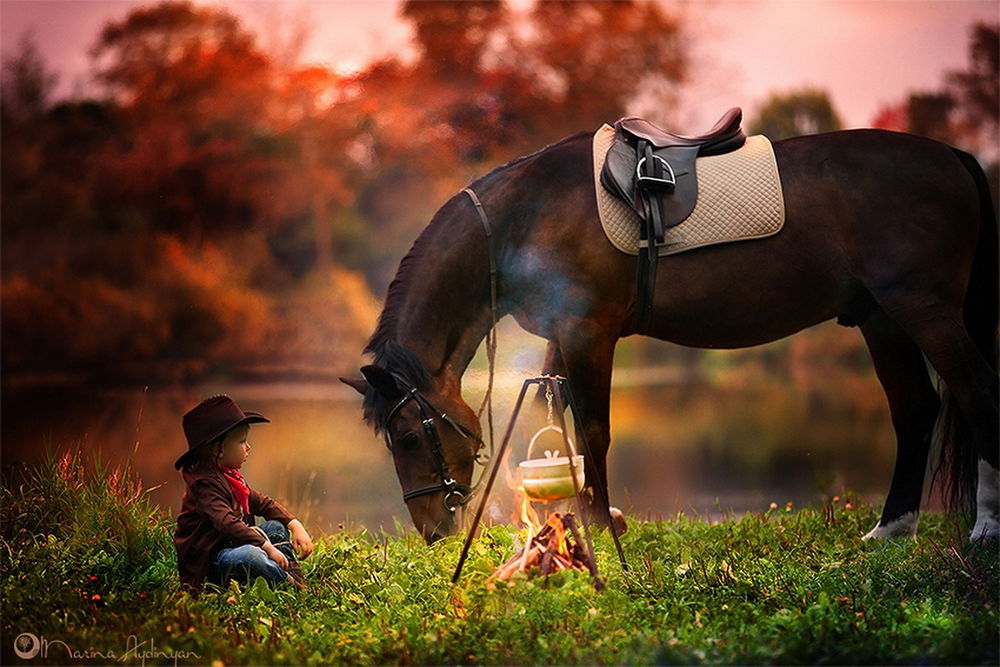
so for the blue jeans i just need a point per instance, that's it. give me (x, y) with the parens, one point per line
(247, 562)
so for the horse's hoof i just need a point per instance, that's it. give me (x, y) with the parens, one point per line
(618, 521)
(986, 531)
(904, 526)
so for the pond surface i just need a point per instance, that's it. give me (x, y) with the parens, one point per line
(687, 447)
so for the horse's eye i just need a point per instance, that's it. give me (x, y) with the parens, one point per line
(409, 441)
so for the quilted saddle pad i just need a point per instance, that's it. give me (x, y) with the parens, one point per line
(739, 198)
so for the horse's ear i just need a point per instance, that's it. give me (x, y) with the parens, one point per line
(382, 381)
(359, 385)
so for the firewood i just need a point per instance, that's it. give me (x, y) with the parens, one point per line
(557, 546)
(545, 567)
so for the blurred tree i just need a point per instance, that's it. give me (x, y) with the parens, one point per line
(594, 58)
(892, 117)
(976, 91)
(929, 115)
(489, 84)
(47, 173)
(26, 85)
(794, 114)
(193, 89)
(965, 112)
(221, 137)
(453, 37)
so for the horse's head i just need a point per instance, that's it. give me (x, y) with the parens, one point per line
(434, 438)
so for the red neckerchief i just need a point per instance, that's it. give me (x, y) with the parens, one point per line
(239, 487)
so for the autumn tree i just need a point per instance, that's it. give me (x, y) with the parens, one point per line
(796, 113)
(976, 90)
(26, 82)
(595, 58)
(490, 83)
(965, 111)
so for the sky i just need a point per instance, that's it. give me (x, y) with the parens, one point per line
(864, 53)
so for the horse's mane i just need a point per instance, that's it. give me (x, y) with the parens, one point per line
(385, 349)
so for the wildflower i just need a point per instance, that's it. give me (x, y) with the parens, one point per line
(836, 499)
(774, 506)
(843, 599)
(95, 598)
(788, 505)
(230, 600)
(93, 577)
(191, 629)
(142, 596)
(860, 614)
(848, 506)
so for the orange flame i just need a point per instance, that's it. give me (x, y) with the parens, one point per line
(523, 512)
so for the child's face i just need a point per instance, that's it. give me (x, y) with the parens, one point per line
(236, 447)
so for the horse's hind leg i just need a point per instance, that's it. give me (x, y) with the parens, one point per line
(913, 404)
(959, 362)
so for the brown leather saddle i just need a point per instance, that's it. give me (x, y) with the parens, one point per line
(653, 171)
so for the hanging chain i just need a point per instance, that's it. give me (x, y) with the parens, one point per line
(548, 400)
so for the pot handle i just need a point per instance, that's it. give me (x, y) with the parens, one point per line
(550, 427)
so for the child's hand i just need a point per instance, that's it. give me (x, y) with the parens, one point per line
(301, 541)
(275, 555)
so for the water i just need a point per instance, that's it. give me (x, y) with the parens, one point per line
(677, 446)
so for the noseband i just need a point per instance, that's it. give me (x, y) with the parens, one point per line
(456, 494)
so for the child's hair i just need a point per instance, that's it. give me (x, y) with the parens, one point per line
(208, 452)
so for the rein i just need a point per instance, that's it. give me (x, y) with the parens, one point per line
(491, 337)
(456, 494)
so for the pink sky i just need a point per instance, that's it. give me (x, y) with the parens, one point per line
(865, 53)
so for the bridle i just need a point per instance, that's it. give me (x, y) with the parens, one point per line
(456, 494)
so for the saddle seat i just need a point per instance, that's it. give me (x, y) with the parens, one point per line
(725, 136)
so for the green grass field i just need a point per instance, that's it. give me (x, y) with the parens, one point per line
(88, 578)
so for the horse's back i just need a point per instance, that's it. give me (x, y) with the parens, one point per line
(895, 204)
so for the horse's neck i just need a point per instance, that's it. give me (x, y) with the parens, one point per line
(446, 312)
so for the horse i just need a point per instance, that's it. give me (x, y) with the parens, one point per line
(890, 232)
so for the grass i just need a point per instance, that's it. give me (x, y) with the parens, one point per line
(88, 568)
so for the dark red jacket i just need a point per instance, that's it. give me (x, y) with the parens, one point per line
(211, 519)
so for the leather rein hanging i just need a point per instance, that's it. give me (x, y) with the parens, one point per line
(456, 494)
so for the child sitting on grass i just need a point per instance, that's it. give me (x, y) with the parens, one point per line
(216, 539)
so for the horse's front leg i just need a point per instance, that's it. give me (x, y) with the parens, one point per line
(585, 355)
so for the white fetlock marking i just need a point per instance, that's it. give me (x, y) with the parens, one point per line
(904, 526)
(987, 504)
(618, 521)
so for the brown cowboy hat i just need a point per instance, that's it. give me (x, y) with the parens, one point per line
(210, 420)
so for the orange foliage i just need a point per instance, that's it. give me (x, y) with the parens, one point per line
(218, 211)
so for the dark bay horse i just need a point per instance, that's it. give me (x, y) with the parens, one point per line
(891, 232)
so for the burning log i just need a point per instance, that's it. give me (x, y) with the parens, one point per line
(556, 547)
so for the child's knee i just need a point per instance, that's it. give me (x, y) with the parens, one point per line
(248, 555)
(249, 561)
(275, 531)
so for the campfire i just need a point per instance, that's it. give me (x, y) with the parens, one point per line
(556, 547)
(556, 544)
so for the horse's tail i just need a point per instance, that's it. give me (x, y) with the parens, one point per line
(959, 458)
